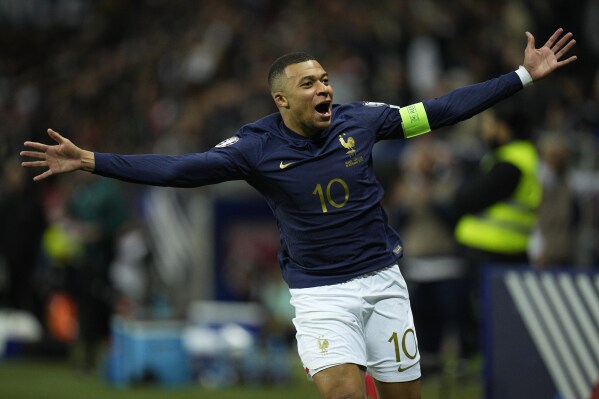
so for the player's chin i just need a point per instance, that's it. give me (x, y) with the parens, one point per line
(322, 124)
(323, 120)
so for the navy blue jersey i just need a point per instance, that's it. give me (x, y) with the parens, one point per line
(322, 190)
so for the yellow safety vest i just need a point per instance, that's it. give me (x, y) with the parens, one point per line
(505, 227)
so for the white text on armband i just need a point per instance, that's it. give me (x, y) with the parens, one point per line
(414, 120)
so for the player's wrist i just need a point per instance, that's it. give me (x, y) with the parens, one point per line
(88, 161)
(524, 76)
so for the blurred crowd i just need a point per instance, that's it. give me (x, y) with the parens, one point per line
(153, 75)
(138, 76)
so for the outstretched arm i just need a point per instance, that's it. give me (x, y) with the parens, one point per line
(63, 157)
(465, 102)
(189, 170)
(542, 61)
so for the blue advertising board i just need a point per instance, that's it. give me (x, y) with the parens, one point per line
(540, 333)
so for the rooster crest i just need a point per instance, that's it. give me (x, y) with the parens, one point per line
(323, 345)
(350, 144)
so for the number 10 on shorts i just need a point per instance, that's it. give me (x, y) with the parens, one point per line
(408, 336)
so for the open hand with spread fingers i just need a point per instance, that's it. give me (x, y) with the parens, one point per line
(540, 62)
(60, 158)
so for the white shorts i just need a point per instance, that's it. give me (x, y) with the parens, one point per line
(366, 321)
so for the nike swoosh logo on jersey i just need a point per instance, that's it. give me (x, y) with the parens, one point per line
(402, 369)
(284, 165)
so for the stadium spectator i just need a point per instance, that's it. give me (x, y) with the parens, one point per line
(97, 211)
(554, 240)
(497, 207)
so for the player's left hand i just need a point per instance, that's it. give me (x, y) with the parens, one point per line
(540, 62)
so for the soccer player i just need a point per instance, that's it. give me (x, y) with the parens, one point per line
(312, 161)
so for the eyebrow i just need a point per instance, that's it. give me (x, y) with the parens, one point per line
(313, 77)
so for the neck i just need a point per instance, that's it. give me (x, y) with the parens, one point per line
(299, 128)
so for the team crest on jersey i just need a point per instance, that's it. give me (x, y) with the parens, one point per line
(349, 143)
(227, 142)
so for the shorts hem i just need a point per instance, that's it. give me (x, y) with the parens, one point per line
(317, 370)
(396, 377)
(393, 380)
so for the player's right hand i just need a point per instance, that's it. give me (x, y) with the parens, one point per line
(60, 158)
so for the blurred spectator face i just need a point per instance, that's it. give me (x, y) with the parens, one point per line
(555, 152)
(306, 99)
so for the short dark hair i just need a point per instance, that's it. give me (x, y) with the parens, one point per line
(278, 67)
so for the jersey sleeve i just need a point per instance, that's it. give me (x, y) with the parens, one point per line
(221, 163)
(382, 118)
(465, 102)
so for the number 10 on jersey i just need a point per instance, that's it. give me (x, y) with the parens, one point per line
(325, 195)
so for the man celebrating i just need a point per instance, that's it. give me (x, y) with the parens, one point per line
(312, 161)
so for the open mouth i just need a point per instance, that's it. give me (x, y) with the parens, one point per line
(324, 108)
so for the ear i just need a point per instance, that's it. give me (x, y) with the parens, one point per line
(280, 100)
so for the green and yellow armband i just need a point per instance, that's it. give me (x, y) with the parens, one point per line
(414, 120)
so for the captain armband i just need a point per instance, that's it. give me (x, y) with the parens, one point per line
(414, 120)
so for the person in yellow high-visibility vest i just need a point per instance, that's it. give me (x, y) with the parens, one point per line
(497, 208)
